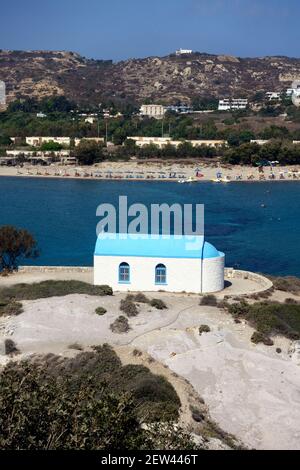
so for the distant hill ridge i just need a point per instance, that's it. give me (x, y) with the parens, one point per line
(166, 79)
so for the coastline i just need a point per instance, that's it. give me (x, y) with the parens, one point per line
(156, 171)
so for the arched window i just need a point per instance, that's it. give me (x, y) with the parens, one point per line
(124, 272)
(160, 274)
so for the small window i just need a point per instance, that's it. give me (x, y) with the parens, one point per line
(124, 272)
(160, 274)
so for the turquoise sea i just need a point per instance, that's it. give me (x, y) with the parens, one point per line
(257, 225)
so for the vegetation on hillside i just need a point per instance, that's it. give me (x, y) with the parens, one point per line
(89, 402)
(269, 318)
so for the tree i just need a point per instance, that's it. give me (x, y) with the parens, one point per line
(15, 244)
(88, 153)
(51, 146)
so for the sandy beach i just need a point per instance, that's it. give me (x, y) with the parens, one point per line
(158, 171)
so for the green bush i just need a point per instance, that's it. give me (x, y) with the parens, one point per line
(100, 310)
(158, 303)
(209, 300)
(204, 329)
(51, 289)
(258, 337)
(270, 317)
(55, 405)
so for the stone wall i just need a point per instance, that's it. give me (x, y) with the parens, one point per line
(265, 283)
(55, 269)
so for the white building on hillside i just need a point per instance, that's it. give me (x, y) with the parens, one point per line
(156, 111)
(273, 95)
(161, 142)
(98, 140)
(296, 93)
(228, 104)
(156, 262)
(38, 141)
(183, 51)
(2, 94)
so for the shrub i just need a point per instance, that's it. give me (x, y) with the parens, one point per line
(10, 308)
(204, 329)
(100, 310)
(128, 306)
(197, 415)
(137, 352)
(286, 284)
(141, 298)
(46, 289)
(10, 347)
(278, 350)
(62, 409)
(290, 301)
(120, 325)
(258, 337)
(75, 346)
(158, 303)
(209, 300)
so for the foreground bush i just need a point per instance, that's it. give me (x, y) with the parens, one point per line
(89, 402)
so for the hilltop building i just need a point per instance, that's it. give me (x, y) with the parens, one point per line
(230, 104)
(184, 51)
(156, 262)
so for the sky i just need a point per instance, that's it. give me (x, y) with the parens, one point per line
(122, 29)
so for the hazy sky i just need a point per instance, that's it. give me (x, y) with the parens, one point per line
(120, 29)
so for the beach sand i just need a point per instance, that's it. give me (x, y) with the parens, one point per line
(157, 171)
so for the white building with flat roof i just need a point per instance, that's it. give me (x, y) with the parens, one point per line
(2, 93)
(38, 141)
(98, 140)
(156, 111)
(161, 142)
(183, 51)
(230, 104)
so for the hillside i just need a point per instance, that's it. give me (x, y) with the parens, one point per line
(170, 78)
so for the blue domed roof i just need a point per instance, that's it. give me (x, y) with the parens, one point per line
(155, 246)
(209, 251)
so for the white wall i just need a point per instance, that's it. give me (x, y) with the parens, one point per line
(213, 274)
(182, 274)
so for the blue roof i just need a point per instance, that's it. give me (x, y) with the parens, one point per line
(155, 246)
